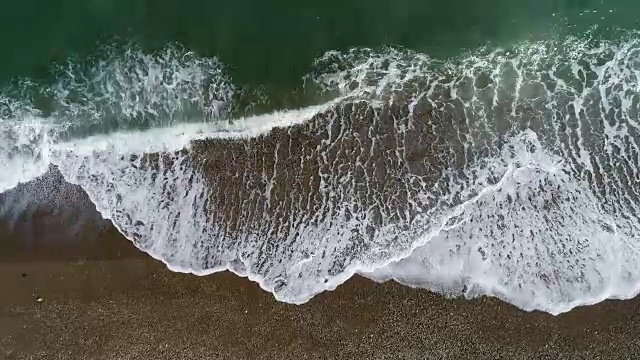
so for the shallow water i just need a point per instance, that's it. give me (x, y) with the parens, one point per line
(508, 169)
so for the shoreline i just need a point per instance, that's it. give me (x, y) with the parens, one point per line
(90, 294)
(136, 307)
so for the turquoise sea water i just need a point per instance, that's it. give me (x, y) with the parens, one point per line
(509, 131)
(274, 42)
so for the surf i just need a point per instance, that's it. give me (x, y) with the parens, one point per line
(503, 172)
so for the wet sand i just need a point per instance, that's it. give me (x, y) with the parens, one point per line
(89, 294)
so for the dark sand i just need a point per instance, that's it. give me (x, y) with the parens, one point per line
(103, 299)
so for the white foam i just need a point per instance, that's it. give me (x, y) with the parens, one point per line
(23, 151)
(582, 252)
(540, 213)
(539, 240)
(125, 89)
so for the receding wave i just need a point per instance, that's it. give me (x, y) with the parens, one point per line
(507, 172)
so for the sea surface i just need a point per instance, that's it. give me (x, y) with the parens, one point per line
(467, 147)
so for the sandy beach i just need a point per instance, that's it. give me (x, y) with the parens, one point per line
(89, 294)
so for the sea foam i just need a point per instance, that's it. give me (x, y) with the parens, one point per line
(511, 173)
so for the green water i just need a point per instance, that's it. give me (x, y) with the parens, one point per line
(273, 42)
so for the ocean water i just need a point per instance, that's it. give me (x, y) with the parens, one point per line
(470, 149)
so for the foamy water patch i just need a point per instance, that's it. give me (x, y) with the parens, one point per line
(538, 239)
(23, 150)
(147, 184)
(511, 173)
(580, 97)
(118, 90)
